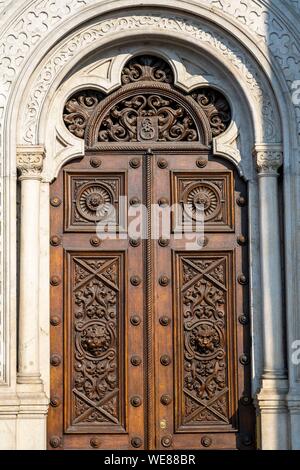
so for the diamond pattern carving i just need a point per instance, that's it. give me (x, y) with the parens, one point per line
(202, 318)
(95, 365)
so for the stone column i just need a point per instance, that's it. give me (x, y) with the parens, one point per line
(271, 398)
(30, 165)
(33, 402)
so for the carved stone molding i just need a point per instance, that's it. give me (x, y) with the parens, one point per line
(226, 48)
(228, 145)
(30, 161)
(269, 158)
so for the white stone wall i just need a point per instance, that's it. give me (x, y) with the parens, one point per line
(255, 41)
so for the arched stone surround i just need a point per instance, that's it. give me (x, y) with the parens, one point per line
(241, 68)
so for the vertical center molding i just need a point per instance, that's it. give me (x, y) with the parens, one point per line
(148, 276)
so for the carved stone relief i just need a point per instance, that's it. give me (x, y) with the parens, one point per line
(203, 317)
(92, 199)
(4, 4)
(222, 45)
(30, 161)
(269, 159)
(209, 194)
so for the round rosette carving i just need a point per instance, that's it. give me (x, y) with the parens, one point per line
(200, 197)
(204, 340)
(94, 201)
(95, 340)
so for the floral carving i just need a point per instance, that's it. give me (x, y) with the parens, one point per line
(147, 116)
(267, 21)
(94, 199)
(204, 327)
(243, 64)
(78, 109)
(216, 107)
(147, 68)
(269, 158)
(202, 197)
(96, 391)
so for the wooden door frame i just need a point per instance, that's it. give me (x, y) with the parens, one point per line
(185, 123)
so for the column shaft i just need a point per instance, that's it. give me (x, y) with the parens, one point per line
(29, 282)
(271, 277)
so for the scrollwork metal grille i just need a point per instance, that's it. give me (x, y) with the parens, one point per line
(147, 68)
(216, 108)
(148, 114)
(78, 109)
(147, 117)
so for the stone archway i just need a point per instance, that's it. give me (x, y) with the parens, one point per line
(44, 90)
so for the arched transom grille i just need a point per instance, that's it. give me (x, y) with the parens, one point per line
(147, 108)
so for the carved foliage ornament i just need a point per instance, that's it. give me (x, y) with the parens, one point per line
(147, 68)
(244, 66)
(147, 116)
(78, 109)
(206, 198)
(30, 161)
(268, 159)
(203, 304)
(92, 198)
(96, 397)
(215, 107)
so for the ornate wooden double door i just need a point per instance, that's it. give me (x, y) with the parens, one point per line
(150, 342)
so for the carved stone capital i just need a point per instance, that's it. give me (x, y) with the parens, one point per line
(269, 158)
(30, 161)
